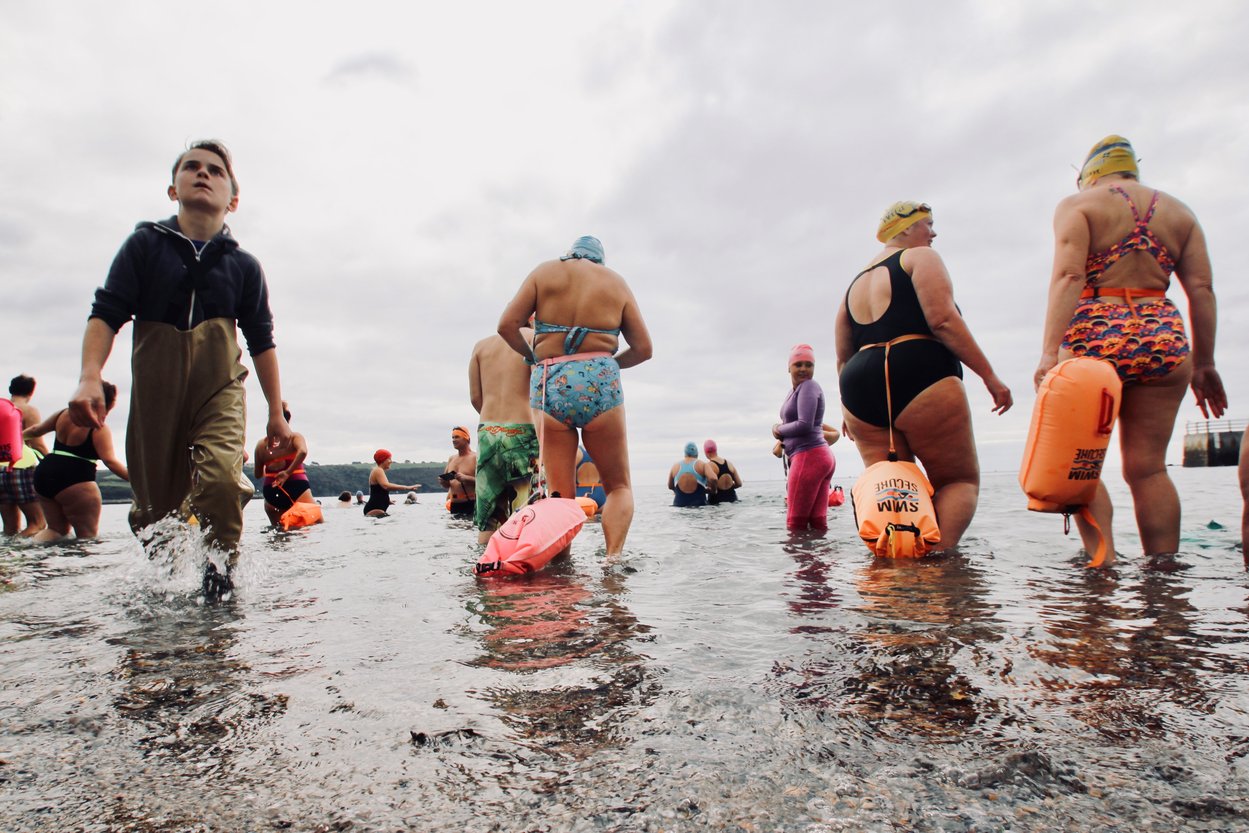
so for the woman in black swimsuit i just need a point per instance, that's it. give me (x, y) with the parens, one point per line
(902, 306)
(65, 479)
(380, 487)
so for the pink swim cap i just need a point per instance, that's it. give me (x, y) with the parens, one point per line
(801, 353)
(709, 447)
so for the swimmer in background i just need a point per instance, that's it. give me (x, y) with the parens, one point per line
(1244, 493)
(281, 467)
(18, 497)
(380, 487)
(810, 465)
(507, 442)
(688, 479)
(460, 475)
(1117, 242)
(725, 478)
(582, 308)
(901, 346)
(359, 497)
(65, 478)
(589, 482)
(344, 498)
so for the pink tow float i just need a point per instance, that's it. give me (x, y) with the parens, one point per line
(531, 538)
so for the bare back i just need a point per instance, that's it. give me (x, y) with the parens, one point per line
(499, 382)
(1110, 220)
(67, 432)
(871, 293)
(581, 293)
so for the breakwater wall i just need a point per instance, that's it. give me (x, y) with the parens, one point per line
(1213, 443)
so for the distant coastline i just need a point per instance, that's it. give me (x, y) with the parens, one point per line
(326, 480)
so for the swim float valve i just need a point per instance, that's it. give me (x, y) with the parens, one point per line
(892, 503)
(1076, 407)
(529, 539)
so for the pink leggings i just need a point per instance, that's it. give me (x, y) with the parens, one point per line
(809, 474)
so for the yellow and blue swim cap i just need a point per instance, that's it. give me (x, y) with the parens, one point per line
(901, 216)
(1112, 155)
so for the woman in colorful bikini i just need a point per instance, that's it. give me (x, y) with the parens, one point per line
(581, 308)
(901, 344)
(1117, 242)
(65, 479)
(809, 466)
(282, 470)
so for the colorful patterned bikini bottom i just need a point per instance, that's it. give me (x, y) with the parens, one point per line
(1144, 339)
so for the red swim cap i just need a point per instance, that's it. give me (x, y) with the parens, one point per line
(380, 455)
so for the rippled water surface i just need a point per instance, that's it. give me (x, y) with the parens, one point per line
(721, 675)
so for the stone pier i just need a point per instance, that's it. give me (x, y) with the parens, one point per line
(1213, 443)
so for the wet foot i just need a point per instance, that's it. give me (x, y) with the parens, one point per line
(217, 585)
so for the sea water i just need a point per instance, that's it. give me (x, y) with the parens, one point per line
(720, 675)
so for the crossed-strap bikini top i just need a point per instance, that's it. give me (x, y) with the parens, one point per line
(1140, 238)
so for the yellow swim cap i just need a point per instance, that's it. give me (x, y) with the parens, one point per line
(1112, 155)
(900, 217)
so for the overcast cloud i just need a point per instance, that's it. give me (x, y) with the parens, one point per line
(404, 167)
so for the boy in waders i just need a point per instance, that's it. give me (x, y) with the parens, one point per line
(186, 284)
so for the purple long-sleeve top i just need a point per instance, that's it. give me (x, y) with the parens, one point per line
(802, 418)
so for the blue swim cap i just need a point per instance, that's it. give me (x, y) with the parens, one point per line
(586, 247)
(691, 450)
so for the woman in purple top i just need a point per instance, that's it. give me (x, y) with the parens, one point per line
(801, 430)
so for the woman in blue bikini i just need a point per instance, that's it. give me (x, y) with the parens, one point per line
(580, 309)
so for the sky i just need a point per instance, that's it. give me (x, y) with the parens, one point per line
(403, 167)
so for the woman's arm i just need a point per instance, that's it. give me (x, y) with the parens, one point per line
(636, 335)
(808, 396)
(844, 338)
(935, 292)
(260, 457)
(300, 446)
(103, 440)
(516, 315)
(1071, 251)
(1196, 275)
(44, 427)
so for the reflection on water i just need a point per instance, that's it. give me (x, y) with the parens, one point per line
(566, 643)
(722, 675)
(184, 687)
(893, 660)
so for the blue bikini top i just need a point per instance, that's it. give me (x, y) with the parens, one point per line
(574, 337)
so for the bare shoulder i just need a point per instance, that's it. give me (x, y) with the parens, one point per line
(1172, 203)
(921, 259)
(546, 267)
(1072, 202)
